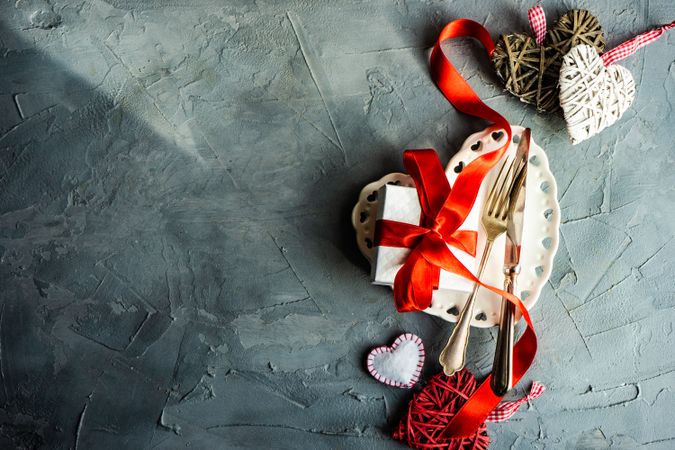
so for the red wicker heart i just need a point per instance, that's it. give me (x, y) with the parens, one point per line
(431, 410)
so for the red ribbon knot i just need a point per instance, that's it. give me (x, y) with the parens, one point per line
(439, 222)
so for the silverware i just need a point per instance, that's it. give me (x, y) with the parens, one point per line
(493, 218)
(502, 376)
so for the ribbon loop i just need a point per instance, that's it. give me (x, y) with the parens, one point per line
(476, 409)
(430, 181)
(537, 20)
(629, 47)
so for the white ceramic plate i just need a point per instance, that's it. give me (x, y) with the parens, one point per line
(540, 233)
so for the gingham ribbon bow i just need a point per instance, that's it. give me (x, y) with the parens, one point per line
(505, 410)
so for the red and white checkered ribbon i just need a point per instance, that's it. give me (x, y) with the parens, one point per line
(505, 410)
(537, 23)
(631, 46)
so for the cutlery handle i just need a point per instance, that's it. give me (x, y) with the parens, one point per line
(502, 373)
(453, 355)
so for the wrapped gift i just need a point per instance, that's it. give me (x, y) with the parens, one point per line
(401, 204)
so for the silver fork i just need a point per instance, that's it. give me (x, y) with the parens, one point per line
(494, 220)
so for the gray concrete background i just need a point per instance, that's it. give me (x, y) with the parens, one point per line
(178, 268)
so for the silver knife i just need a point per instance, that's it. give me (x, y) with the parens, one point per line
(502, 377)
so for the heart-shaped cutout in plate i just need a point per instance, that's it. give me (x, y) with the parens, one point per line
(530, 71)
(399, 365)
(592, 96)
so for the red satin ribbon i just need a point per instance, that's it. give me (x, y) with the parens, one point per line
(416, 280)
(443, 211)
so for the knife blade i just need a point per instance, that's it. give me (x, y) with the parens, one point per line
(502, 377)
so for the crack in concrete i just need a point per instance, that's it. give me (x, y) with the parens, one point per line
(312, 73)
(390, 49)
(625, 244)
(576, 327)
(80, 422)
(295, 273)
(343, 433)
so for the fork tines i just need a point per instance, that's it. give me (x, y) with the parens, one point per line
(506, 182)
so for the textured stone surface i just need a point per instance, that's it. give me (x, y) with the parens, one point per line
(177, 264)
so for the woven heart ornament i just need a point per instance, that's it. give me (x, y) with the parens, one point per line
(594, 92)
(529, 67)
(432, 408)
(592, 96)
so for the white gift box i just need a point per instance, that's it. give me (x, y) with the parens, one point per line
(401, 204)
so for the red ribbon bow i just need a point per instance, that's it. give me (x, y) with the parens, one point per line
(441, 216)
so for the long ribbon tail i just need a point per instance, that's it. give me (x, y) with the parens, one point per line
(629, 47)
(455, 88)
(460, 94)
(483, 401)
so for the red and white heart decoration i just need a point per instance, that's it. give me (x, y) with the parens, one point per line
(399, 365)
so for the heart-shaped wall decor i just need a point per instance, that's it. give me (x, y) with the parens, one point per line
(592, 96)
(399, 365)
(530, 71)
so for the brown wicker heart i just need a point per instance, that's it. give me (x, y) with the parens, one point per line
(531, 71)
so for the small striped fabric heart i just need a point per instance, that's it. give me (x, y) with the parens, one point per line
(399, 365)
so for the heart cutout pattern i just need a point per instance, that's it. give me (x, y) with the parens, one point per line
(530, 71)
(399, 365)
(592, 96)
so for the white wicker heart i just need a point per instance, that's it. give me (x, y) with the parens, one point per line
(592, 96)
(540, 233)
